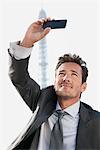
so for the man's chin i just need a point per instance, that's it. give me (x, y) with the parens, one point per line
(64, 95)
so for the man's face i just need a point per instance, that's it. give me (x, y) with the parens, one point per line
(68, 81)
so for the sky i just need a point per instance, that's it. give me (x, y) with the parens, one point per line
(81, 36)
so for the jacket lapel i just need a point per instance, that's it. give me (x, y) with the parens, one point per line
(47, 103)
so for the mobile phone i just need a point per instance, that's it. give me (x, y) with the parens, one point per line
(55, 24)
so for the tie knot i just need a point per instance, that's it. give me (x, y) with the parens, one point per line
(60, 114)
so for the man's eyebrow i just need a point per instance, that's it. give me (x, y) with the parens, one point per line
(75, 71)
(62, 70)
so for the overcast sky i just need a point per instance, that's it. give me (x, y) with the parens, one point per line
(81, 36)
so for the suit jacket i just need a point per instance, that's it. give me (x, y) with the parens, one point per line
(88, 132)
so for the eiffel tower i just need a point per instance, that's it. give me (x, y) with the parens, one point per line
(43, 63)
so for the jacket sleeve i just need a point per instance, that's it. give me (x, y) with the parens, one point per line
(27, 87)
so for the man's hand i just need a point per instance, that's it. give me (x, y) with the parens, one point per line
(35, 33)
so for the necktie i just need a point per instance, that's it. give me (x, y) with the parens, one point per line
(56, 140)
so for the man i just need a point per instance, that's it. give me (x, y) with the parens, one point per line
(56, 107)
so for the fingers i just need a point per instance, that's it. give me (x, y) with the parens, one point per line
(46, 19)
(41, 21)
(45, 31)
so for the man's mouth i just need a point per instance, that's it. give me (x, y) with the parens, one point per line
(66, 85)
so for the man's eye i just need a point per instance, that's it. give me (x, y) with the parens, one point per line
(74, 74)
(61, 73)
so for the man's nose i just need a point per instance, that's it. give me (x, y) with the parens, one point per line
(66, 78)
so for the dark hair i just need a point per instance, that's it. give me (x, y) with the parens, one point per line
(76, 59)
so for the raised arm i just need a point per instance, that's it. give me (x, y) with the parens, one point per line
(18, 71)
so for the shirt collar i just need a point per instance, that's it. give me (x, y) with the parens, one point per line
(73, 110)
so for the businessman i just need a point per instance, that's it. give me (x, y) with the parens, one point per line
(61, 121)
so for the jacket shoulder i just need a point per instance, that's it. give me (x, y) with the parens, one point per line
(93, 113)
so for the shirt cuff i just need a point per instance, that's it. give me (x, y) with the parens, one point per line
(19, 52)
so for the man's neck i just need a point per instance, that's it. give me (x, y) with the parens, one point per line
(66, 103)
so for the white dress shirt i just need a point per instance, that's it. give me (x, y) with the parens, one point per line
(18, 51)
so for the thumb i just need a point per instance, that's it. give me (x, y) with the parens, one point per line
(46, 31)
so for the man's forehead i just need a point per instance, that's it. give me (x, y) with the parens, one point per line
(69, 66)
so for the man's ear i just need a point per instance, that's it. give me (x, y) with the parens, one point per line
(84, 86)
